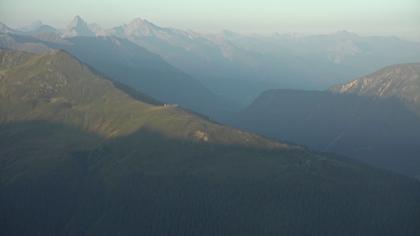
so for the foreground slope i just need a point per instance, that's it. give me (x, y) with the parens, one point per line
(81, 155)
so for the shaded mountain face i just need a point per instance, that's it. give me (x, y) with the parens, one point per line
(82, 155)
(132, 65)
(374, 118)
(401, 82)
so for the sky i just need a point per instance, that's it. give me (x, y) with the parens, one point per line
(366, 17)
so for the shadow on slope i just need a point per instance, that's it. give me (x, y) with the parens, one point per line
(70, 182)
(382, 132)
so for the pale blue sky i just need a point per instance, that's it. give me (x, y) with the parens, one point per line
(368, 17)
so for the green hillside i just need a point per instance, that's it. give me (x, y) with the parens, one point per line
(56, 87)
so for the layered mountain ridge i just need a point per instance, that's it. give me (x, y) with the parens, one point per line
(374, 118)
(101, 158)
(261, 62)
(99, 133)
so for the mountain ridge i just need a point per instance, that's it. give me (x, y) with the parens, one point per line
(400, 81)
(58, 95)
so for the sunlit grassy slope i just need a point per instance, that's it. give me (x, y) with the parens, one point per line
(58, 88)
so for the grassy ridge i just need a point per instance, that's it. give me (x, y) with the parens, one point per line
(56, 87)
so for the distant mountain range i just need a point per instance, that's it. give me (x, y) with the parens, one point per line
(259, 63)
(124, 61)
(375, 118)
(84, 155)
(35, 28)
(224, 60)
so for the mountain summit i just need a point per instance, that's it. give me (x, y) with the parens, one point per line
(78, 27)
(137, 28)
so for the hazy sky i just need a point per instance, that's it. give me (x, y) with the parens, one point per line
(368, 17)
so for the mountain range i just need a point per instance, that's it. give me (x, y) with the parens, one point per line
(149, 59)
(82, 154)
(259, 62)
(141, 129)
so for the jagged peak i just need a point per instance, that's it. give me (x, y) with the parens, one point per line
(140, 26)
(78, 27)
(78, 18)
(142, 23)
(77, 21)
